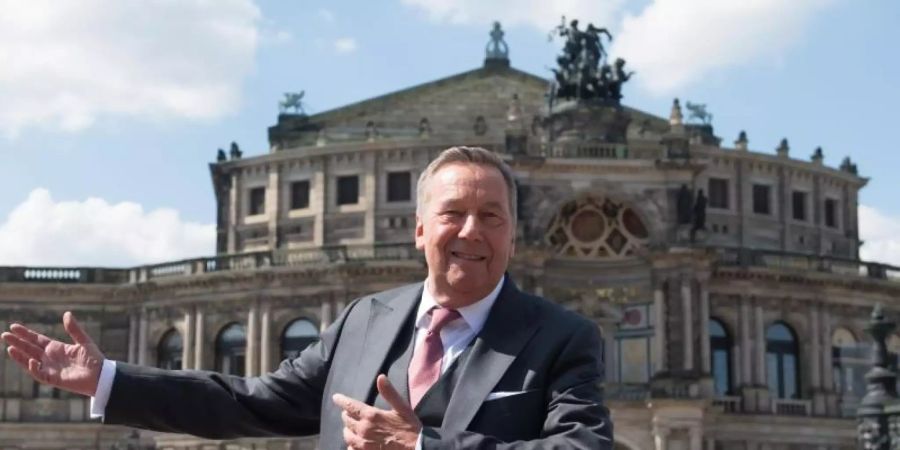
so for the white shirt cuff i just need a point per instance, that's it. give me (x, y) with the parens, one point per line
(419, 442)
(104, 386)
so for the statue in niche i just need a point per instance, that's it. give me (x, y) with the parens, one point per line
(480, 127)
(699, 219)
(424, 128)
(235, 151)
(685, 205)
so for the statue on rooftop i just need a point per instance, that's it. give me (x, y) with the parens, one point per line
(235, 151)
(220, 156)
(698, 113)
(497, 48)
(292, 100)
(584, 72)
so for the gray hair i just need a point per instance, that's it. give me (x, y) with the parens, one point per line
(471, 155)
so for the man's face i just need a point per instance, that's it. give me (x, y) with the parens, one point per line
(466, 230)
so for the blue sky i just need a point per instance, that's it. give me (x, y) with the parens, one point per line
(111, 118)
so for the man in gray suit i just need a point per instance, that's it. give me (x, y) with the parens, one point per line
(463, 360)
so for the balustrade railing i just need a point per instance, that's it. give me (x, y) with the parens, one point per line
(804, 262)
(789, 407)
(728, 404)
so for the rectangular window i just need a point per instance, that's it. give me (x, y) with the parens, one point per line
(300, 194)
(348, 190)
(831, 213)
(399, 187)
(798, 203)
(718, 193)
(761, 197)
(257, 201)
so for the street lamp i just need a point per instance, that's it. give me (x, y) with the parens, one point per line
(878, 415)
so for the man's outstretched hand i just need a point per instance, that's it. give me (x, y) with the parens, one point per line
(72, 367)
(369, 428)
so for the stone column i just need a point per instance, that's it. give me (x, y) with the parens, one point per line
(265, 338)
(696, 437)
(234, 210)
(251, 361)
(661, 437)
(142, 339)
(687, 323)
(187, 348)
(705, 357)
(132, 338)
(815, 364)
(319, 201)
(326, 314)
(760, 343)
(370, 195)
(827, 358)
(746, 342)
(273, 204)
(659, 325)
(608, 332)
(199, 339)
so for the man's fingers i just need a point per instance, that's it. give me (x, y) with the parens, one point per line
(31, 365)
(354, 441)
(387, 390)
(29, 335)
(71, 325)
(26, 347)
(18, 356)
(353, 407)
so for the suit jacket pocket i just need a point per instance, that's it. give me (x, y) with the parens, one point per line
(519, 416)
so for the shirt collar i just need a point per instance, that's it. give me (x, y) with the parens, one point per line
(475, 315)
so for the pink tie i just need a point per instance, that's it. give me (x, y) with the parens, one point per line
(425, 367)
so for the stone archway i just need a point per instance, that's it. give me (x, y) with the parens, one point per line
(593, 226)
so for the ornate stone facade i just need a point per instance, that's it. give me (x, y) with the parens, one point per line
(734, 328)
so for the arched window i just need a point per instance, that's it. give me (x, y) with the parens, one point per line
(850, 362)
(296, 337)
(781, 361)
(720, 353)
(169, 351)
(231, 348)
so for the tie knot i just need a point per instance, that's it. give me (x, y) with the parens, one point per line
(441, 317)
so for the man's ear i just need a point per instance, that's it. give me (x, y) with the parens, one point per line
(420, 233)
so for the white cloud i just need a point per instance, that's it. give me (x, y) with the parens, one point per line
(670, 43)
(65, 64)
(881, 234)
(345, 45)
(540, 14)
(673, 43)
(93, 232)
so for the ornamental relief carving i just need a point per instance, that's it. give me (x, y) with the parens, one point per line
(596, 227)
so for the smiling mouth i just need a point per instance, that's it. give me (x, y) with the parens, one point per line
(467, 256)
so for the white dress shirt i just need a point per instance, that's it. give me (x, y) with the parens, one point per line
(455, 336)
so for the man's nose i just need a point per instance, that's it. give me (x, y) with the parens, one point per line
(470, 229)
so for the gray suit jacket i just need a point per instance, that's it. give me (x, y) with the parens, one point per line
(548, 356)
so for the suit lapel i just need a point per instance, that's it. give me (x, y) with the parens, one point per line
(509, 326)
(385, 324)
